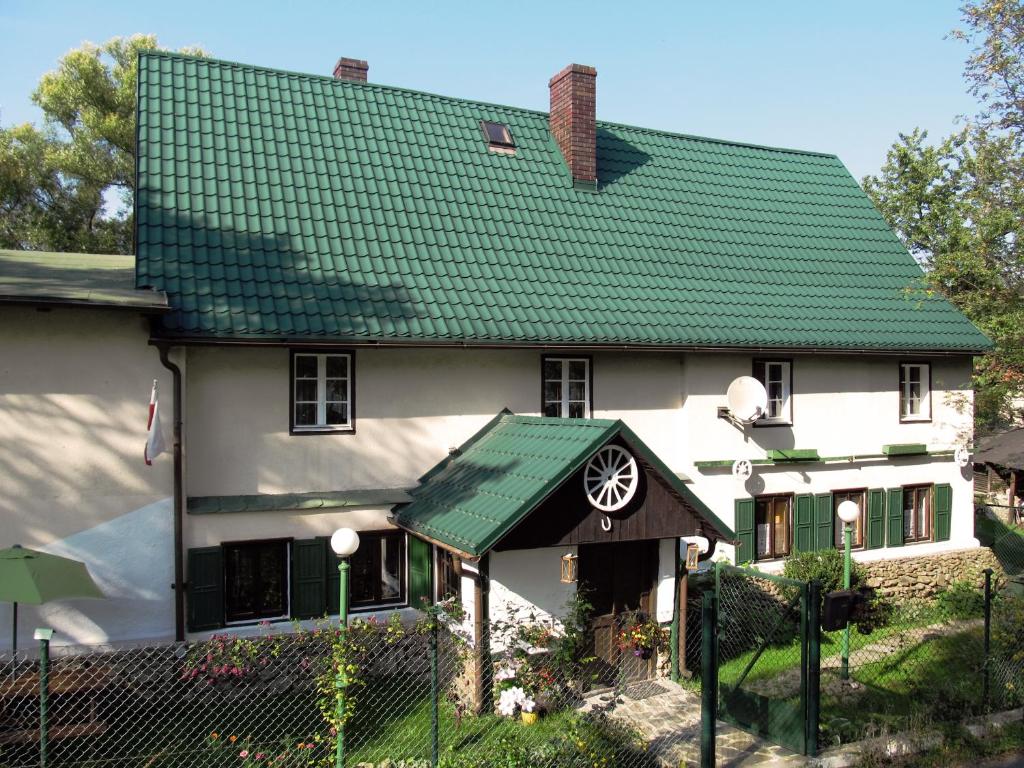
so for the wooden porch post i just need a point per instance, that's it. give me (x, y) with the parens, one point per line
(482, 693)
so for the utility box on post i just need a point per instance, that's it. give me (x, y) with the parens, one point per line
(838, 609)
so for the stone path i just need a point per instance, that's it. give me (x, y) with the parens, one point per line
(670, 723)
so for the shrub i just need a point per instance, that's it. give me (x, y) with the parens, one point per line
(825, 566)
(961, 600)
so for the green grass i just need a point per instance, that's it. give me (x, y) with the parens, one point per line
(396, 727)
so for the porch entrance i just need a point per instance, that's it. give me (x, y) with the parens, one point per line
(619, 579)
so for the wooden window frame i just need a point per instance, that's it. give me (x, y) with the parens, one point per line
(760, 373)
(588, 395)
(926, 397)
(365, 538)
(929, 500)
(774, 556)
(441, 569)
(322, 429)
(286, 545)
(838, 539)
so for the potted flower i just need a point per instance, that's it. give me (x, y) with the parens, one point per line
(642, 636)
(515, 695)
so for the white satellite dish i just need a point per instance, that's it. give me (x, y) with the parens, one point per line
(747, 398)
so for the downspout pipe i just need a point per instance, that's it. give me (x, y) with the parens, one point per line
(179, 562)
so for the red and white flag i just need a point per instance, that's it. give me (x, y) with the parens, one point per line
(155, 440)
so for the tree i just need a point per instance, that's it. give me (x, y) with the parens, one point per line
(57, 182)
(958, 205)
(995, 69)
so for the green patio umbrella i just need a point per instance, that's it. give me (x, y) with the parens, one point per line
(28, 576)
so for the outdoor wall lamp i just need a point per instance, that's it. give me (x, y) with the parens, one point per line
(569, 568)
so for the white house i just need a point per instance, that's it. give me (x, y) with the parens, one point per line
(445, 323)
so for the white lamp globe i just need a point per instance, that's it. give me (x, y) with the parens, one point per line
(344, 542)
(848, 512)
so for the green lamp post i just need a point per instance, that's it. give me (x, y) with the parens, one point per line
(344, 542)
(849, 512)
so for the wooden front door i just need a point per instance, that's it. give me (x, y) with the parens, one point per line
(618, 578)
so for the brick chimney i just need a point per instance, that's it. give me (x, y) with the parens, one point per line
(351, 69)
(572, 120)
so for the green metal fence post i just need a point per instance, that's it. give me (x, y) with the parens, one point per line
(341, 681)
(43, 636)
(813, 665)
(988, 638)
(709, 678)
(434, 732)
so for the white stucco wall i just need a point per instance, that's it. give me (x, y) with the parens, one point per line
(74, 398)
(841, 406)
(526, 586)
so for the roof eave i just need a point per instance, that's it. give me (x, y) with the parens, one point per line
(306, 341)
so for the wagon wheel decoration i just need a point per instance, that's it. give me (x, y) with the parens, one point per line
(611, 478)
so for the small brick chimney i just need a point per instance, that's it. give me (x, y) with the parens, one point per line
(573, 120)
(351, 69)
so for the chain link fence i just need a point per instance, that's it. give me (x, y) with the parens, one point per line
(413, 699)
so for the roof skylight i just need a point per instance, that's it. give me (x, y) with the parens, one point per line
(498, 136)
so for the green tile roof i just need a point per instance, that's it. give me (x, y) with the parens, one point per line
(282, 206)
(99, 279)
(498, 477)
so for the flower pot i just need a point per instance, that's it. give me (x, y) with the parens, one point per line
(529, 718)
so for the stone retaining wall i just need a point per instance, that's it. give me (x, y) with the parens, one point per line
(926, 576)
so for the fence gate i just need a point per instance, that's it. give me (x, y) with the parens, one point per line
(768, 656)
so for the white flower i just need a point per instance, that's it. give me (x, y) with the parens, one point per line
(510, 699)
(528, 705)
(505, 673)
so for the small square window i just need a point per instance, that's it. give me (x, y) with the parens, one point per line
(322, 392)
(566, 387)
(497, 135)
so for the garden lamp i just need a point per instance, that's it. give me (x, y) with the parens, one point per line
(344, 542)
(849, 512)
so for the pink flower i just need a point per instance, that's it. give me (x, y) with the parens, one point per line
(259, 756)
(244, 753)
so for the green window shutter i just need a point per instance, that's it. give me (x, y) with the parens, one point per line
(333, 579)
(419, 572)
(943, 511)
(824, 521)
(895, 517)
(744, 527)
(205, 589)
(876, 518)
(803, 523)
(309, 578)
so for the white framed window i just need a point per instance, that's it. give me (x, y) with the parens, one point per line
(915, 392)
(322, 392)
(777, 377)
(566, 387)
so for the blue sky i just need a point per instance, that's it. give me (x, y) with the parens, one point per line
(842, 77)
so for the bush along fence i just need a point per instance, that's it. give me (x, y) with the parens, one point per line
(903, 664)
(269, 700)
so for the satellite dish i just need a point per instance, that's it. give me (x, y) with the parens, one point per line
(747, 398)
(962, 456)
